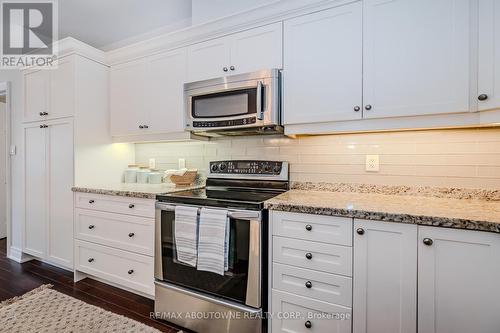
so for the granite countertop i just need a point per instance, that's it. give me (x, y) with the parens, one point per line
(472, 214)
(145, 191)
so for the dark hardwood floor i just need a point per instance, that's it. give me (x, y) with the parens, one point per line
(17, 279)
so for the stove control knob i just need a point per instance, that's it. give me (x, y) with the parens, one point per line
(222, 166)
(215, 168)
(267, 167)
(277, 169)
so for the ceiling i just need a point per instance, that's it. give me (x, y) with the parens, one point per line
(123, 21)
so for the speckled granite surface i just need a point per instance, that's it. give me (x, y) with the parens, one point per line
(145, 191)
(469, 214)
(437, 192)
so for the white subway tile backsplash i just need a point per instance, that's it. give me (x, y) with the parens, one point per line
(453, 158)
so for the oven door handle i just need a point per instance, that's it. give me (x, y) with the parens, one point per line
(260, 110)
(232, 214)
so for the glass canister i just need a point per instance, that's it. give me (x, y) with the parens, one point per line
(131, 173)
(143, 175)
(155, 177)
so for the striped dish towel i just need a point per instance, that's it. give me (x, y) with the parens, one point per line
(186, 234)
(212, 245)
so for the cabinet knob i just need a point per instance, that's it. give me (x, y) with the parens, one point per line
(91, 201)
(309, 227)
(308, 324)
(232, 68)
(141, 126)
(309, 255)
(44, 126)
(428, 241)
(309, 284)
(91, 260)
(482, 97)
(360, 231)
(225, 69)
(368, 107)
(131, 206)
(357, 108)
(91, 226)
(131, 235)
(131, 271)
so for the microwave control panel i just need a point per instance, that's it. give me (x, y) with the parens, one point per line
(225, 123)
(246, 167)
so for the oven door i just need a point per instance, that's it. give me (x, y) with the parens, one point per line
(242, 283)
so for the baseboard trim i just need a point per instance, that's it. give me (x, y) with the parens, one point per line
(17, 255)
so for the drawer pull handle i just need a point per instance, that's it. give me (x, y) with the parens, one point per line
(131, 235)
(309, 255)
(91, 260)
(309, 227)
(131, 206)
(309, 284)
(91, 201)
(131, 271)
(360, 231)
(428, 241)
(308, 324)
(91, 226)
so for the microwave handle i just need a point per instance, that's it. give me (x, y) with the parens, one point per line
(260, 110)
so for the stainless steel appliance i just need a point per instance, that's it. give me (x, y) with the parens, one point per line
(235, 105)
(237, 299)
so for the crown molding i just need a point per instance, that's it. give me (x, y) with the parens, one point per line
(259, 16)
(70, 45)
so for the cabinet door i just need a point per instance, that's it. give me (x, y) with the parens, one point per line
(257, 49)
(128, 97)
(416, 57)
(208, 59)
(458, 274)
(168, 73)
(385, 277)
(60, 200)
(323, 66)
(35, 191)
(62, 89)
(489, 55)
(36, 94)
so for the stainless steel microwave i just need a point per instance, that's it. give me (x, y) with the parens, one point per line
(235, 105)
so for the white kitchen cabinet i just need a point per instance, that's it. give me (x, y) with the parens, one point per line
(323, 66)
(458, 274)
(147, 95)
(385, 277)
(247, 51)
(416, 57)
(489, 55)
(48, 198)
(50, 93)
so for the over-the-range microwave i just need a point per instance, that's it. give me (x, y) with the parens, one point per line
(241, 104)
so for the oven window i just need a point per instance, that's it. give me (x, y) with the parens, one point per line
(232, 285)
(225, 104)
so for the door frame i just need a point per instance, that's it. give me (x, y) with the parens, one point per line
(8, 175)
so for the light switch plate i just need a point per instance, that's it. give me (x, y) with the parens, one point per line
(372, 163)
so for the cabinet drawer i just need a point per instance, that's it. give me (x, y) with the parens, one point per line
(116, 204)
(130, 270)
(327, 258)
(129, 233)
(326, 229)
(323, 317)
(326, 287)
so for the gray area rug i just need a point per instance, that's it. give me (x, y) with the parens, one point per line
(44, 310)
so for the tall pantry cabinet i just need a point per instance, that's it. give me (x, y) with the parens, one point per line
(60, 106)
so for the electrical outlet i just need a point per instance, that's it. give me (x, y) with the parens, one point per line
(372, 163)
(152, 163)
(182, 163)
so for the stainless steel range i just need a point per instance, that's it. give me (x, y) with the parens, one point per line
(204, 301)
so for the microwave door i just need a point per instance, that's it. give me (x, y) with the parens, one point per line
(225, 105)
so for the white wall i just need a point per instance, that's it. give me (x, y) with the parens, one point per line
(3, 212)
(204, 11)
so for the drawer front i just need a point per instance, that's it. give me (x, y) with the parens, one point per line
(321, 286)
(322, 317)
(326, 229)
(327, 258)
(126, 232)
(131, 270)
(116, 204)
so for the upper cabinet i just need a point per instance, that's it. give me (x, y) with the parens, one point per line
(416, 57)
(50, 94)
(146, 95)
(247, 51)
(488, 96)
(323, 66)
